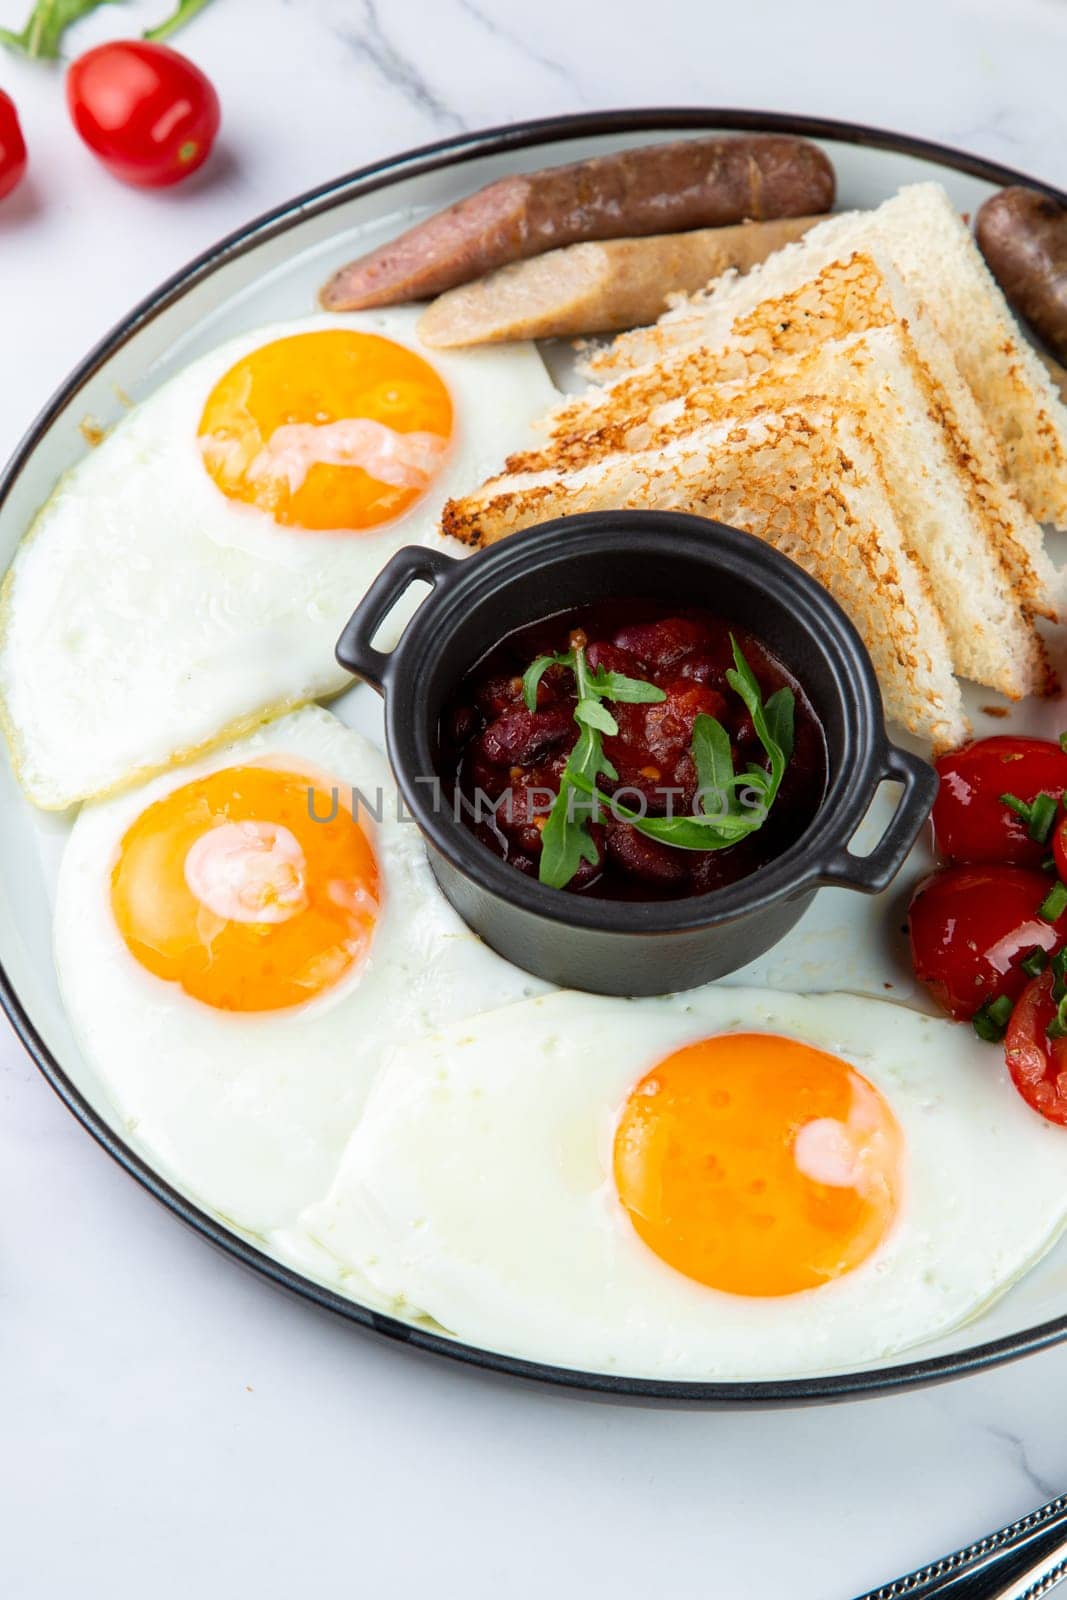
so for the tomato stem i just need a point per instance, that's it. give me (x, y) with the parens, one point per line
(186, 11)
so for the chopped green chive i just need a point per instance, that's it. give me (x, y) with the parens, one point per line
(1059, 974)
(1013, 803)
(1057, 1028)
(990, 1022)
(1035, 963)
(1042, 817)
(1063, 742)
(1054, 904)
(1039, 814)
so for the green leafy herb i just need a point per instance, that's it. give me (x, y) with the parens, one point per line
(732, 804)
(565, 839)
(773, 722)
(1063, 742)
(990, 1022)
(531, 678)
(43, 33)
(1054, 904)
(1039, 814)
(610, 685)
(629, 691)
(1035, 963)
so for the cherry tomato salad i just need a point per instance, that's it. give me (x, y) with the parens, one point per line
(989, 928)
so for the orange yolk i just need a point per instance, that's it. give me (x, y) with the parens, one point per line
(758, 1165)
(234, 888)
(335, 429)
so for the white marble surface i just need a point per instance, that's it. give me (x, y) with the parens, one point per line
(171, 1426)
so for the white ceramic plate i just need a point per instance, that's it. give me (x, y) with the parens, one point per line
(270, 272)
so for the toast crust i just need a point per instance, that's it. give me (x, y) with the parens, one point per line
(808, 483)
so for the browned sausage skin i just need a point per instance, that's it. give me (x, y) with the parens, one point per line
(665, 188)
(1023, 236)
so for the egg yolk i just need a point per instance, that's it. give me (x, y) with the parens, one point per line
(252, 888)
(758, 1165)
(326, 430)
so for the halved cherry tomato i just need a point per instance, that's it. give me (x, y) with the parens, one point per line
(146, 111)
(970, 927)
(970, 822)
(12, 146)
(1038, 1064)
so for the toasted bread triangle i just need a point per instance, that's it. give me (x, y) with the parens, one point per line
(807, 481)
(920, 234)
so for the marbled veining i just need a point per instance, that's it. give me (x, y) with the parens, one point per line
(171, 1426)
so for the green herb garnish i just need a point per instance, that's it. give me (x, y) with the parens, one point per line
(49, 20)
(990, 1022)
(1054, 904)
(1057, 1027)
(732, 804)
(1039, 814)
(1035, 963)
(565, 839)
(1059, 974)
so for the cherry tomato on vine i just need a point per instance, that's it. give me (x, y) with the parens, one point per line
(971, 823)
(970, 929)
(12, 146)
(1038, 1064)
(148, 113)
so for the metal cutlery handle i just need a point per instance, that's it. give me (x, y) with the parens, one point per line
(1024, 1561)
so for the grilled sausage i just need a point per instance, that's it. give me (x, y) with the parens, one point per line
(599, 288)
(1023, 236)
(663, 188)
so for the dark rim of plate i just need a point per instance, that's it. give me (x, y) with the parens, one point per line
(430, 158)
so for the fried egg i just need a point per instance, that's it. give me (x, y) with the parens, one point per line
(192, 574)
(728, 1184)
(237, 943)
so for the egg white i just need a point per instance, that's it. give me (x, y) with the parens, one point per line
(146, 614)
(247, 1113)
(477, 1189)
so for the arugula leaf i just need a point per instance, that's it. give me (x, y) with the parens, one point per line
(631, 691)
(715, 765)
(773, 723)
(46, 25)
(732, 804)
(531, 678)
(685, 832)
(737, 815)
(565, 843)
(780, 718)
(593, 715)
(187, 10)
(589, 712)
(565, 839)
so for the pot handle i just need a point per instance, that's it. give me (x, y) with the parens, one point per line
(354, 648)
(872, 873)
